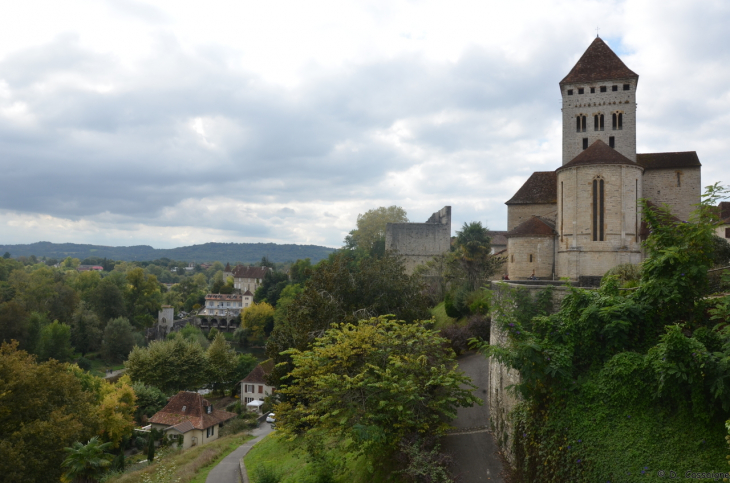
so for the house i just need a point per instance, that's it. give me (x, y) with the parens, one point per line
(248, 279)
(189, 417)
(222, 310)
(254, 387)
(723, 231)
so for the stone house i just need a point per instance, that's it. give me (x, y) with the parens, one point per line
(255, 388)
(189, 417)
(584, 218)
(222, 310)
(248, 278)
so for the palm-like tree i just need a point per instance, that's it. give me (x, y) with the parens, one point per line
(86, 463)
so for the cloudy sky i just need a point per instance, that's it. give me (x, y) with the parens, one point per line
(173, 122)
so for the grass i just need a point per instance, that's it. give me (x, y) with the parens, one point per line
(443, 320)
(289, 460)
(99, 367)
(191, 465)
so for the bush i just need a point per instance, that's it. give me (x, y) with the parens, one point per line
(84, 363)
(479, 326)
(234, 407)
(139, 442)
(458, 337)
(235, 426)
(265, 474)
(422, 460)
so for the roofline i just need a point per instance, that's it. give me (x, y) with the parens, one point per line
(563, 83)
(510, 202)
(565, 166)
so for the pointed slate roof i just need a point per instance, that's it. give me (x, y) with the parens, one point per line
(533, 226)
(597, 153)
(540, 187)
(598, 63)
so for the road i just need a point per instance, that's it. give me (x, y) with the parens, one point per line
(227, 470)
(472, 445)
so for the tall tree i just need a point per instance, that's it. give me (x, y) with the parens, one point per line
(86, 330)
(143, 297)
(222, 364)
(371, 227)
(472, 263)
(118, 340)
(107, 300)
(172, 365)
(55, 342)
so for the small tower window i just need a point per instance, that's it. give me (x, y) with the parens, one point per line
(530, 257)
(512, 259)
(614, 88)
(580, 123)
(598, 122)
(593, 90)
(611, 142)
(598, 210)
(627, 87)
(603, 88)
(570, 92)
(679, 179)
(617, 121)
(585, 143)
(581, 90)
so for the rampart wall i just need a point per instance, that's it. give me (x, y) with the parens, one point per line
(418, 243)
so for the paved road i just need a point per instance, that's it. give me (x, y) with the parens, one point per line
(474, 449)
(227, 470)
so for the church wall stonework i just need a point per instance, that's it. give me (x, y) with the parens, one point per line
(606, 103)
(516, 214)
(660, 186)
(542, 250)
(418, 243)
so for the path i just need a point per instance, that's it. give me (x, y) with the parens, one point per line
(227, 470)
(472, 444)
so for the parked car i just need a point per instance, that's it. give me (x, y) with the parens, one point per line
(271, 418)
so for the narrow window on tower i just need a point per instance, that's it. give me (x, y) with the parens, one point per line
(595, 122)
(595, 210)
(600, 122)
(636, 209)
(585, 143)
(679, 179)
(530, 257)
(611, 142)
(577, 124)
(561, 209)
(620, 121)
(598, 210)
(601, 212)
(583, 123)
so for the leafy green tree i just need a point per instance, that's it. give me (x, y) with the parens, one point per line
(287, 297)
(86, 333)
(471, 264)
(171, 365)
(107, 300)
(13, 323)
(118, 340)
(371, 227)
(300, 271)
(143, 298)
(6, 255)
(55, 342)
(87, 463)
(149, 401)
(258, 320)
(245, 363)
(371, 384)
(271, 287)
(222, 365)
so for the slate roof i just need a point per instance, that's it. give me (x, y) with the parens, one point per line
(249, 272)
(533, 226)
(184, 427)
(498, 237)
(686, 159)
(724, 211)
(598, 63)
(259, 373)
(597, 153)
(247, 293)
(540, 187)
(195, 412)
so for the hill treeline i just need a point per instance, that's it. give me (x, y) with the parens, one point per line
(207, 252)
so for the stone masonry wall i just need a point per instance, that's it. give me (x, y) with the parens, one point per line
(521, 249)
(418, 243)
(660, 186)
(588, 104)
(516, 214)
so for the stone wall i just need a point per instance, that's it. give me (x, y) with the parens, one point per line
(660, 186)
(530, 253)
(418, 243)
(588, 104)
(516, 214)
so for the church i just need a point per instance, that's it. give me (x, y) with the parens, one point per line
(584, 218)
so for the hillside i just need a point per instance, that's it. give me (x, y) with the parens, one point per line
(207, 252)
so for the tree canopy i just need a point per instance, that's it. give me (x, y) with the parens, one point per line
(370, 229)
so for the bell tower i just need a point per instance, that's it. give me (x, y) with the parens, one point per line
(599, 103)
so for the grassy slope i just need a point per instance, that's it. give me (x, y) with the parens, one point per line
(289, 460)
(442, 320)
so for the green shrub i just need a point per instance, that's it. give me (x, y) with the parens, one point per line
(84, 363)
(235, 426)
(265, 474)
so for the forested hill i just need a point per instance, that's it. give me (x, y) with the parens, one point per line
(207, 252)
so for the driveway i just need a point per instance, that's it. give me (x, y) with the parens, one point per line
(472, 444)
(227, 470)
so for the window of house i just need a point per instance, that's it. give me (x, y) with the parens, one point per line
(248, 399)
(580, 90)
(593, 90)
(679, 179)
(614, 88)
(261, 389)
(727, 232)
(598, 210)
(570, 92)
(627, 87)
(611, 141)
(603, 88)
(585, 143)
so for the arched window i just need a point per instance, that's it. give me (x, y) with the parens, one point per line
(598, 122)
(580, 123)
(598, 209)
(618, 121)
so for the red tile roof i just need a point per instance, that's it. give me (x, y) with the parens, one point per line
(540, 187)
(597, 153)
(498, 237)
(533, 226)
(259, 373)
(686, 159)
(195, 412)
(598, 63)
(249, 272)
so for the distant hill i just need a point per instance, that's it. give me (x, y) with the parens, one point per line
(208, 252)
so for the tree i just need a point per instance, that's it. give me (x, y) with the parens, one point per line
(222, 364)
(369, 385)
(86, 463)
(471, 263)
(149, 401)
(371, 227)
(300, 271)
(118, 340)
(171, 365)
(55, 342)
(107, 300)
(13, 323)
(258, 319)
(86, 331)
(143, 297)
(6, 255)
(271, 287)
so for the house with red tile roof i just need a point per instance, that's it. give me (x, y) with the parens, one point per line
(190, 417)
(255, 388)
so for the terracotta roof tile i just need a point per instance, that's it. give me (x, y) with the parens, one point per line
(687, 159)
(598, 63)
(259, 373)
(597, 153)
(195, 412)
(540, 187)
(533, 226)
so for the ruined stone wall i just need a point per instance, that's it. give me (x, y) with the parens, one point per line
(661, 186)
(418, 243)
(589, 104)
(526, 254)
(516, 214)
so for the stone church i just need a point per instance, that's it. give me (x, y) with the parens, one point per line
(584, 218)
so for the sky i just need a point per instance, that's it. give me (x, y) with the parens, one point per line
(172, 123)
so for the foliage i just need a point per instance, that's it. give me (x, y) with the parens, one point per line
(149, 400)
(55, 342)
(471, 263)
(343, 289)
(271, 287)
(236, 426)
(370, 384)
(258, 319)
(86, 463)
(143, 297)
(86, 330)
(423, 461)
(171, 365)
(371, 227)
(118, 340)
(222, 365)
(628, 275)
(266, 474)
(300, 271)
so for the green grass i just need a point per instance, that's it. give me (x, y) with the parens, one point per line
(443, 320)
(289, 460)
(99, 367)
